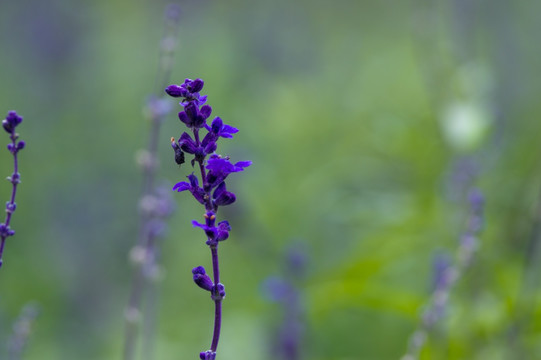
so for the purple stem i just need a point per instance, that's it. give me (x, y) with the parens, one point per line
(217, 299)
(215, 263)
(14, 181)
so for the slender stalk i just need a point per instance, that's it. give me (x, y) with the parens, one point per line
(12, 199)
(21, 331)
(453, 272)
(217, 300)
(9, 124)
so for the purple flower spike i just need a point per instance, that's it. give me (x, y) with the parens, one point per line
(9, 124)
(212, 171)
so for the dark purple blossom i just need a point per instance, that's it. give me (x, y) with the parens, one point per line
(214, 233)
(187, 144)
(194, 117)
(189, 91)
(218, 128)
(219, 168)
(223, 197)
(11, 121)
(193, 186)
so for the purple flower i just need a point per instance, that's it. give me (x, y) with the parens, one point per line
(215, 131)
(223, 230)
(189, 91)
(219, 168)
(218, 128)
(223, 197)
(214, 233)
(193, 186)
(187, 144)
(194, 117)
(11, 121)
(5, 231)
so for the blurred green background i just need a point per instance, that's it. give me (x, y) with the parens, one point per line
(359, 117)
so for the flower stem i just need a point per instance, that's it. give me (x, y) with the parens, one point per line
(11, 204)
(217, 299)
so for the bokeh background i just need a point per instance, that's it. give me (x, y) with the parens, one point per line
(367, 123)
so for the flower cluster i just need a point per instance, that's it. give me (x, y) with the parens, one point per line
(209, 189)
(9, 124)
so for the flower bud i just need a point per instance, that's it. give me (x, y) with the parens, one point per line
(201, 279)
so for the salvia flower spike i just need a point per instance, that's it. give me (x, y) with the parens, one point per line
(208, 187)
(9, 124)
(447, 273)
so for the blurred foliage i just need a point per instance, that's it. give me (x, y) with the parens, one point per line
(357, 116)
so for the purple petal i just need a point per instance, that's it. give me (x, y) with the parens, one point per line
(194, 182)
(199, 270)
(211, 147)
(217, 125)
(225, 198)
(202, 99)
(229, 129)
(186, 143)
(181, 186)
(219, 190)
(198, 224)
(243, 164)
(184, 118)
(192, 111)
(206, 110)
(175, 91)
(224, 226)
(197, 85)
